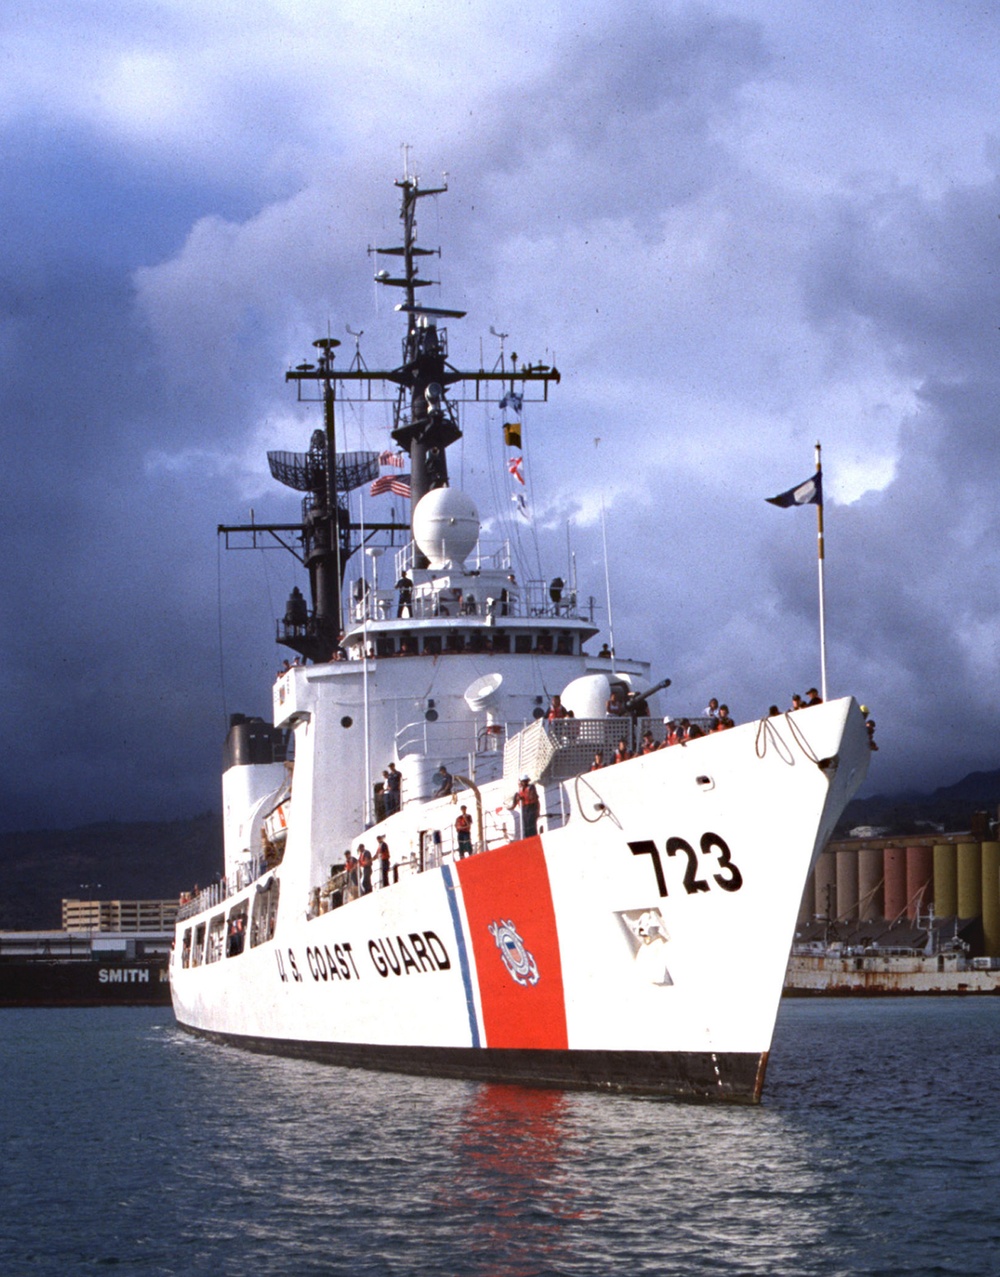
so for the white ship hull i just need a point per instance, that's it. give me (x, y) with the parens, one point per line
(601, 953)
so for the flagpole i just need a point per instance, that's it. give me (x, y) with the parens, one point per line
(607, 577)
(822, 590)
(607, 586)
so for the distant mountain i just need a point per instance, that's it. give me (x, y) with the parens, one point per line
(950, 808)
(148, 861)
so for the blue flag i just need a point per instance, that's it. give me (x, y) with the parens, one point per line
(808, 493)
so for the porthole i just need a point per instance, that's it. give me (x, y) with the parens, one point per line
(347, 721)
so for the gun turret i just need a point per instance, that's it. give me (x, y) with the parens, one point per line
(636, 703)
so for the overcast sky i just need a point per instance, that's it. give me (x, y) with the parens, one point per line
(738, 228)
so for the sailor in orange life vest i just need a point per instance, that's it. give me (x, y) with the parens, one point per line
(527, 798)
(463, 827)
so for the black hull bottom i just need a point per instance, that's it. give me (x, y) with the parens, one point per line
(728, 1077)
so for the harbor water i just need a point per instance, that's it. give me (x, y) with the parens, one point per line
(129, 1146)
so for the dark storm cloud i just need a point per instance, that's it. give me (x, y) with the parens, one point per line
(921, 608)
(98, 616)
(631, 125)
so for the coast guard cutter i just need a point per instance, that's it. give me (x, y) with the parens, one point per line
(635, 941)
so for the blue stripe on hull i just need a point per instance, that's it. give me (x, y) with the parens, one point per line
(463, 954)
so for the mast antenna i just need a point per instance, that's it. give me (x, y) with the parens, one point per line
(357, 344)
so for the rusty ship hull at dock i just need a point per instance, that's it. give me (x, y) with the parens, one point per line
(896, 976)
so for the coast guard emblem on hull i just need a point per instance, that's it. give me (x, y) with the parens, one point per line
(518, 960)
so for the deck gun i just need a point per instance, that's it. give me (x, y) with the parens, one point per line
(636, 703)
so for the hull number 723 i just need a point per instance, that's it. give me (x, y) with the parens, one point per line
(728, 876)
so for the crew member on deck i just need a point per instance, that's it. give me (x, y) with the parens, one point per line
(463, 828)
(351, 875)
(382, 855)
(405, 587)
(365, 865)
(442, 782)
(527, 799)
(393, 781)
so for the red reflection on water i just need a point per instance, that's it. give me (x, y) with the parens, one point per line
(513, 1152)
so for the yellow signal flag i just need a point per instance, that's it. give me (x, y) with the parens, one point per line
(512, 434)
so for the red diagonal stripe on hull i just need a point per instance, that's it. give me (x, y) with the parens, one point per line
(512, 885)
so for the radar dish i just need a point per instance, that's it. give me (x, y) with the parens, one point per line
(306, 471)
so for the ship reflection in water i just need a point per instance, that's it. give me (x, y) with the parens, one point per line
(516, 1160)
(544, 1178)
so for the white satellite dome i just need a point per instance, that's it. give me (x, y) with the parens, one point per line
(587, 696)
(446, 527)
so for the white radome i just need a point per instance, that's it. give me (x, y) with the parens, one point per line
(446, 526)
(587, 697)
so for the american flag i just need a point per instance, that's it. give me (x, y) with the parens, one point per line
(399, 485)
(391, 459)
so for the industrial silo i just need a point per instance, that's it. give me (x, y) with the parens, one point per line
(894, 870)
(991, 898)
(825, 878)
(919, 879)
(970, 880)
(847, 885)
(871, 895)
(945, 880)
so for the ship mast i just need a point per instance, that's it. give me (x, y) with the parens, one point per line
(425, 425)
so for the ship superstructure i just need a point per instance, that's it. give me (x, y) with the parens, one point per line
(427, 866)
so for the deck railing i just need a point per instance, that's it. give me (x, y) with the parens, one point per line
(222, 890)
